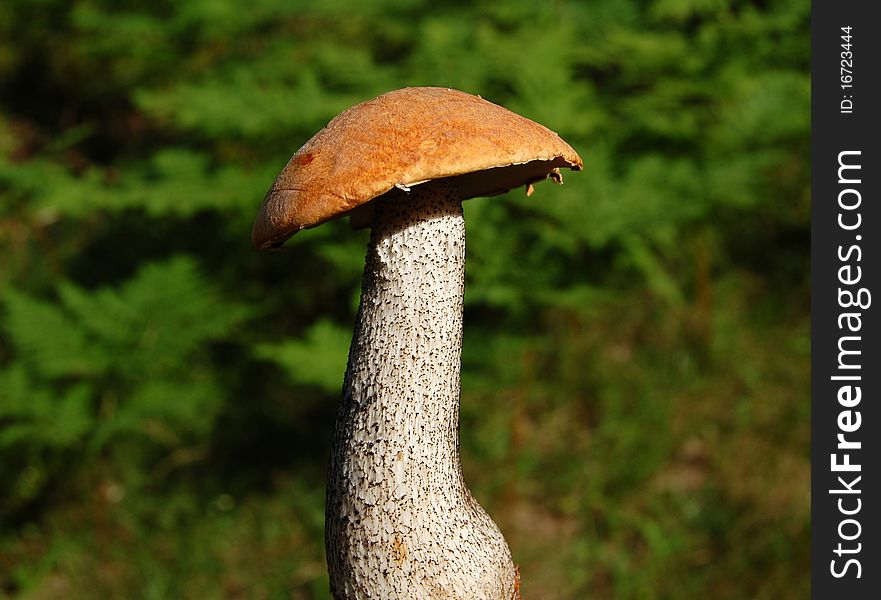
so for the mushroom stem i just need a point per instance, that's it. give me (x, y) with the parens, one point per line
(400, 521)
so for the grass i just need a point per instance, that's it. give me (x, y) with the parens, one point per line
(645, 453)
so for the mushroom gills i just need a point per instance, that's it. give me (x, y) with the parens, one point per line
(490, 182)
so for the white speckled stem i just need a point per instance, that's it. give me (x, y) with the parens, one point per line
(400, 521)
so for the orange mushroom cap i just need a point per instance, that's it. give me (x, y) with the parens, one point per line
(405, 138)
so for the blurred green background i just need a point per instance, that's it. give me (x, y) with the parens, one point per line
(635, 408)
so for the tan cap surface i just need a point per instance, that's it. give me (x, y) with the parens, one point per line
(401, 139)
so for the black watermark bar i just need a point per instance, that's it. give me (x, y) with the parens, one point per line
(846, 300)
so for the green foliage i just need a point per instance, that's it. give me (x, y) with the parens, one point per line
(99, 368)
(636, 341)
(313, 360)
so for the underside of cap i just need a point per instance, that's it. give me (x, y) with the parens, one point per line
(402, 139)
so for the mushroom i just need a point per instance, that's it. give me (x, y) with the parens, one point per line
(400, 521)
